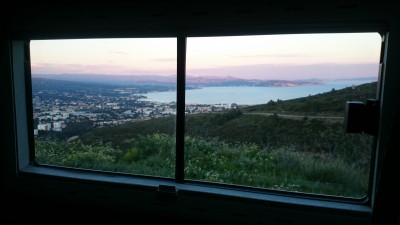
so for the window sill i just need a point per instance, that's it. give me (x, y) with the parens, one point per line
(93, 180)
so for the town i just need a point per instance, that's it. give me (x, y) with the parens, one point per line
(54, 107)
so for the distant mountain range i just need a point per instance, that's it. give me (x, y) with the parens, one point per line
(191, 81)
(233, 81)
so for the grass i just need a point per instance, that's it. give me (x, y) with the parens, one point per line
(213, 160)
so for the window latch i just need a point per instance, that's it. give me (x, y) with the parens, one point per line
(167, 191)
(362, 117)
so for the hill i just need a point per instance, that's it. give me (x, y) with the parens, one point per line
(234, 146)
(328, 103)
(239, 126)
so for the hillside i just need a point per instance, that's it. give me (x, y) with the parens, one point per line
(238, 126)
(235, 147)
(329, 103)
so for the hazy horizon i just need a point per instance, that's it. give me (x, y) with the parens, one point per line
(296, 56)
(166, 77)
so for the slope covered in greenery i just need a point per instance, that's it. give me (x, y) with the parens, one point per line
(328, 103)
(240, 146)
(215, 161)
(240, 126)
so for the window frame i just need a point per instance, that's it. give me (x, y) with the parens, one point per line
(27, 169)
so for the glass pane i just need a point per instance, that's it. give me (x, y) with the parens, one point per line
(90, 104)
(267, 111)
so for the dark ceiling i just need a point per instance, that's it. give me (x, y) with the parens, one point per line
(163, 18)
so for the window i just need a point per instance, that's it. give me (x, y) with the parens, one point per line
(268, 111)
(261, 111)
(109, 166)
(90, 108)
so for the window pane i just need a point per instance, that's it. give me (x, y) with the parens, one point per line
(90, 105)
(268, 111)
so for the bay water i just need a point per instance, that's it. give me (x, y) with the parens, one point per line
(249, 95)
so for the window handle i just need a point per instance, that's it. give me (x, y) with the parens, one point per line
(362, 117)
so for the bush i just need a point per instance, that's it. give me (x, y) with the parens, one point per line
(213, 160)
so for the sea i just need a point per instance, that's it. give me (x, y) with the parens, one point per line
(249, 95)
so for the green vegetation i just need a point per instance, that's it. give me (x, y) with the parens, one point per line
(148, 155)
(236, 147)
(328, 103)
(215, 161)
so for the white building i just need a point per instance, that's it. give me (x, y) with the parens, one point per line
(57, 125)
(44, 126)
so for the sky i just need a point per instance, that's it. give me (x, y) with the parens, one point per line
(295, 56)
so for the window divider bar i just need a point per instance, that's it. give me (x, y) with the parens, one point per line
(28, 94)
(180, 109)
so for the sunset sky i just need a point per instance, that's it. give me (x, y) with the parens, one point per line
(299, 56)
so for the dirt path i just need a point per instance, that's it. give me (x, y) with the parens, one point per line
(297, 116)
